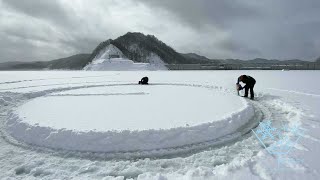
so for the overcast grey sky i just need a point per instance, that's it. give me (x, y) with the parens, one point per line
(246, 29)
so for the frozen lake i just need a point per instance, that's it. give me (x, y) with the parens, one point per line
(184, 125)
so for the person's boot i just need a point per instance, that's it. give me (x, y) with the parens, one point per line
(252, 95)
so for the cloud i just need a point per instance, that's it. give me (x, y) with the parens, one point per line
(53, 11)
(203, 12)
(45, 30)
(269, 29)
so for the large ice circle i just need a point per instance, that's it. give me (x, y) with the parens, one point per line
(129, 108)
(129, 117)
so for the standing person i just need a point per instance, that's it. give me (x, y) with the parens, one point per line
(250, 82)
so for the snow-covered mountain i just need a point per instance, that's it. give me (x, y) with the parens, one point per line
(140, 48)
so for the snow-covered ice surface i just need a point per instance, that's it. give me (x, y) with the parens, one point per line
(146, 107)
(210, 132)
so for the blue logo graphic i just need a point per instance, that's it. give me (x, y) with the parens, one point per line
(281, 141)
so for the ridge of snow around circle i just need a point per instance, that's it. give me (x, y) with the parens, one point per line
(126, 140)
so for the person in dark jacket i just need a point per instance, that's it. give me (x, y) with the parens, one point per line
(144, 81)
(250, 82)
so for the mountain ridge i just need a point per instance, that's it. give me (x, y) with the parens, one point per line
(138, 47)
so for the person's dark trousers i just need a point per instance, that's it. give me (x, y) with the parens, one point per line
(246, 88)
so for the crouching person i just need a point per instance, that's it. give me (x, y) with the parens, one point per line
(144, 81)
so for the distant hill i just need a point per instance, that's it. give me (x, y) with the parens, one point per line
(76, 62)
(262, 61)
(196, 59)
(22, 65)
(318, 60)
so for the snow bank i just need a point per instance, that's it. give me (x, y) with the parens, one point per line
(112, 59)
(156, 62)
(135, 139)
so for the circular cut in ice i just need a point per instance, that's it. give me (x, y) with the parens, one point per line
(129, 118)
